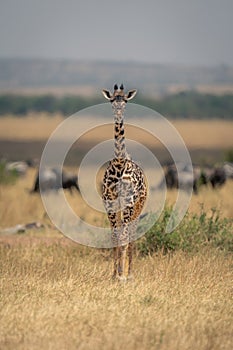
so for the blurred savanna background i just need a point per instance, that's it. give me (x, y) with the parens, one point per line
(54, 61)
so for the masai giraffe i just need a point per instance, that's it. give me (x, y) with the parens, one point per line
(124, 188)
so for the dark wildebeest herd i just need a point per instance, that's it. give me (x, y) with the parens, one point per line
(175, 176)
(47, 179)
(53, 179)
(183, 177)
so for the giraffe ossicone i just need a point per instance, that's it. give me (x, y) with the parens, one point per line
(124, 188)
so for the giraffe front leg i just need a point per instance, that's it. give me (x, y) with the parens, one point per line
(115, 266)
(116, 249)
(132, 237)
(115, 221)
(130, 257)
(124, 243)
(122, 261)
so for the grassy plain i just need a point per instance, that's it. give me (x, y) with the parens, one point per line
(60, 296)
(196, 133)
(55, 294)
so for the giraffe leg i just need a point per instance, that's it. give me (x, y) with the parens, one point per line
(115, 257)
(130, 257)
(115, 222)
(132, 237)
(122, 261)
(125, 242)
(135, 213)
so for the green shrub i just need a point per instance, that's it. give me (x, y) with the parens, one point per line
(7, 176)
(229, 155)
(193, 233)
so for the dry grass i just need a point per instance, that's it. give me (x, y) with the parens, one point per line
(55, 294)
(33, 127)
(196, 133)
(220, 199)
(61, 296)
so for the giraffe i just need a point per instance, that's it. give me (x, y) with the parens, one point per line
(124, 189)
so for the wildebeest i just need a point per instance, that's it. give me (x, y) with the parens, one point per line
(218, 177)
(52, 179)
(201, 176)
(183, 177)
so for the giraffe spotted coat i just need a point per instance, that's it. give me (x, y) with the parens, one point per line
(124, 188)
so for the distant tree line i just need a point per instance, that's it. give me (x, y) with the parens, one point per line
(192, 105)
(182, 105)
(20, 105)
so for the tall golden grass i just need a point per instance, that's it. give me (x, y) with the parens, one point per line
(196, 133)
(55, 294)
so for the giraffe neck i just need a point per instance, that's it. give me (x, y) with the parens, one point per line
(120, 148)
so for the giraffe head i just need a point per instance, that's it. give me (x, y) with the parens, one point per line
(119, 99)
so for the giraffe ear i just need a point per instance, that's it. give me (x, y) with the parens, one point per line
(130, 94)
(107, 94)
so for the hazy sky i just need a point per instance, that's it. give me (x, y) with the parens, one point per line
(179, 31)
